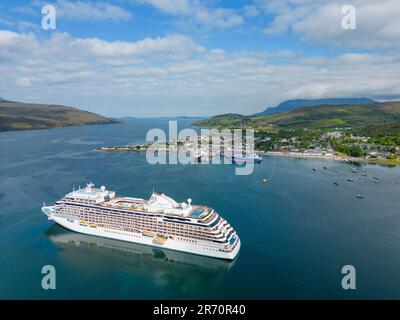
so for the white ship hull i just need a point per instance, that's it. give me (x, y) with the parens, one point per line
(171, 244)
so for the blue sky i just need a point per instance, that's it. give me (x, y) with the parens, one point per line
(192, 57)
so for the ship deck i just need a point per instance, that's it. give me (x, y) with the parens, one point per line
(136, 204)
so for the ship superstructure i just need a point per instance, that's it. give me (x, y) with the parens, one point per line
(159, 221)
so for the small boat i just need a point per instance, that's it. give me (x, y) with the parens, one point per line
(264, 180)
(376, 178)
(314, 169)
(325, 168)
(359, 196)
(336, 183)
(354, 170)
(350, 180)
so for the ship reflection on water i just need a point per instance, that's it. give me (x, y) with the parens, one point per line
(164, 267)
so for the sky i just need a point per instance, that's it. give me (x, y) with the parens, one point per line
(149, 58)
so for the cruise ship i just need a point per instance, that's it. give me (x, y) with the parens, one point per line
(158, 222)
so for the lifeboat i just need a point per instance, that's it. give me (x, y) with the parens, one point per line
(149, 234)
(160, 239)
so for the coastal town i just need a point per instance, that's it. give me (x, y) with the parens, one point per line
(201, 147)
(339, 144)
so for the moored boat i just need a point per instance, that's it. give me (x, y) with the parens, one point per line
(238, 158)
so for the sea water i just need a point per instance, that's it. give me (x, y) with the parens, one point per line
(297, 231)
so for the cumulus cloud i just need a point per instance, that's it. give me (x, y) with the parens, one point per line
(174, 75)
(319, 21)
(251, 11)
(23, 82)
(195, 10)
(170, 6)
(148, 46)
(63, 45)
(83, 10)
(92, 11)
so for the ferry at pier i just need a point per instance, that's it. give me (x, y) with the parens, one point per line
(158, 222)
(238, 158)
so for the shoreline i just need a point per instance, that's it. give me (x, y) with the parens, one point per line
(289, 154)
(306, 156)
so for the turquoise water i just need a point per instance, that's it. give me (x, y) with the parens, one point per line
(297, 231)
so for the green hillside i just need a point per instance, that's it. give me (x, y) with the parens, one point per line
(24, 116)
(318, 117)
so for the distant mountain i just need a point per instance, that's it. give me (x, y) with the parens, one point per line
(25, 116)
(301, 103)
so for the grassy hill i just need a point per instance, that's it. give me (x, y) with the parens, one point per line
(25, 116)
(290, 105)
(316, 117)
